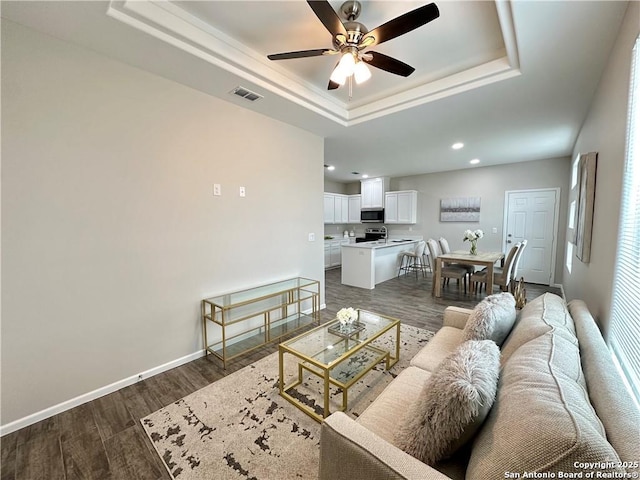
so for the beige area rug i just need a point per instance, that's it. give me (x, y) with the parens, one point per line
(241, 428)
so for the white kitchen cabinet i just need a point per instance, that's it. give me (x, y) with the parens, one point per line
(343, 215)
(401, 207)
(336, 208)
(329, 208)
(336, 254)
(391, 208)
(354, 208)
(372, 191)
(333, 252)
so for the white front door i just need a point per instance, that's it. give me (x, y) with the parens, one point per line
(533, 215)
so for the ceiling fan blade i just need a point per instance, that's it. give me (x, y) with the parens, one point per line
(328, 16)
(300, 54)
(389, 64)
(403, 24)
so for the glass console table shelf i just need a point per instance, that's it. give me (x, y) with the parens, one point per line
(242, 321)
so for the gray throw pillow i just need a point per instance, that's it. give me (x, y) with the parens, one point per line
(491, 319)
(454, 403)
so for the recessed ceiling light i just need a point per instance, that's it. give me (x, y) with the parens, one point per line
(457, 145)
(330, 167)
(365, 176)
(474, 161)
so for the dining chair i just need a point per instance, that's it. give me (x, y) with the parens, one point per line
(447, 272)
(514, 270)
(444, 248)
(501, 276)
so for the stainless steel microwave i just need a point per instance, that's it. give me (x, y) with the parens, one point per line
(372, 215)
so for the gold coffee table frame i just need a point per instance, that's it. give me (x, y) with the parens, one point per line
(326, 352)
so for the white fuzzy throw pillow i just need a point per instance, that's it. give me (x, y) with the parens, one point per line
(491, 319)
(454, 403)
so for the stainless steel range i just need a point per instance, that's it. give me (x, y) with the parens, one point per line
(373, 234)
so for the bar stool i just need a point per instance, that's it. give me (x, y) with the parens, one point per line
(414, 261)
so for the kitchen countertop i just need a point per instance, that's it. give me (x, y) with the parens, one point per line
(380, 244)
(341, 239)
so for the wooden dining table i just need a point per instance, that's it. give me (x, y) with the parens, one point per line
(483, 259)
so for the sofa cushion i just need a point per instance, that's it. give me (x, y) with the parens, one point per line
(385, 413)
(609, 396)
(491, 319)
(537, 318)
(438, 348)
(542, 420)
(453, 404)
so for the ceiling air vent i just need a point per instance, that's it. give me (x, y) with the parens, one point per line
(248, 94)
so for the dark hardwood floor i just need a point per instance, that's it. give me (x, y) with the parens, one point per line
(103, 439)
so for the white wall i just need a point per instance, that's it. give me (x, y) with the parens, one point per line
(489, 183)
(604, 131)
(111, 235)
(334, 187)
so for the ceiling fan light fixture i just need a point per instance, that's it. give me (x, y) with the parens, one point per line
(361, 72)
(347, 63)
(338, 76)
(351, 38)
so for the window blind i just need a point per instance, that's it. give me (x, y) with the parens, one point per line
(624, 336)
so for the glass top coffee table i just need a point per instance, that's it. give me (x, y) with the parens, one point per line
(338, 356)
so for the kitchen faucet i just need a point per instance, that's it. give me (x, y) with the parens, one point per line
(386, 235)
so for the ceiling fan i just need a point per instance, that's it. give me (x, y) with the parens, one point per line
(351, 38)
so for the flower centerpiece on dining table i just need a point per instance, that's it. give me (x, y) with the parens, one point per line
(473, 236)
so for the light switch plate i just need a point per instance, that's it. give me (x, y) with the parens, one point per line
(312, 237)
(217, 191)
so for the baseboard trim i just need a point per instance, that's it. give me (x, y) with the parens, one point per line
(100, 392)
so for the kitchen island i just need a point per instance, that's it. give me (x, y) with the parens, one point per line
(367, 264)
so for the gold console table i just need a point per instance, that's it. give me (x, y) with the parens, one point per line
(244, 320)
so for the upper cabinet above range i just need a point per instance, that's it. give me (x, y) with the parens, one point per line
(372, 191)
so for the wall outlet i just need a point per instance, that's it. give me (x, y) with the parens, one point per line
(217, 191)
(494, 230)
(312, 237)
(242, 192)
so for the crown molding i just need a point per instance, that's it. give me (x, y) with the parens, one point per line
(168, 22)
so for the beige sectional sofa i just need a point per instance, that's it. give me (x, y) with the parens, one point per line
(560, 408)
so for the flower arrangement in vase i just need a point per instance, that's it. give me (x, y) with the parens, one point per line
(346, 316)
(473, 236)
